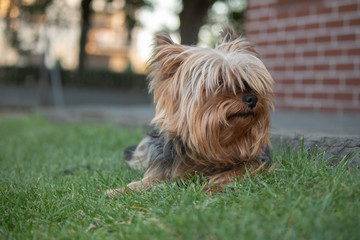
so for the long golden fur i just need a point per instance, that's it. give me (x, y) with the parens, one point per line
(202, 122)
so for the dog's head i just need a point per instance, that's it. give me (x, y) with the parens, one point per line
(216, 100)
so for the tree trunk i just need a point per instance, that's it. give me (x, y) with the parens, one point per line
(192, 17)
(85, 26)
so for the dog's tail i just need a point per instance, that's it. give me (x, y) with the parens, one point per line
(138, 157)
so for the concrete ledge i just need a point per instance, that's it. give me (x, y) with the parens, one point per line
(336, 147)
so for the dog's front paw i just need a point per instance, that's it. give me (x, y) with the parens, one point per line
(131, 186)
(115, 192)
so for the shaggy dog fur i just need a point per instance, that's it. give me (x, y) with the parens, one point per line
(212, 113)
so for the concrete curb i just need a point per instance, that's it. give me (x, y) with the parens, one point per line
(335, 147)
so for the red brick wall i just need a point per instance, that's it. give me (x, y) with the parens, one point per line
(312, 50)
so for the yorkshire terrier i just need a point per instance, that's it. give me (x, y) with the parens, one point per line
(212, 113)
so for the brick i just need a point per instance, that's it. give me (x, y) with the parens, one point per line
(311, 26)
(253, 32)
(311, 54)
(346, 66)
(283, 14)
(300, 40)
(290, 55)
(334, 24)
(280, 95)
(324, 10)
(254, 7)
(272, 30)
(288, 82)
(352, 81)
(331, 81)
(291, 28)
(292, 2)
(321, 67)
(263, 44)
(353, 51)
(279, 68)
(309, 81)
(343, 96)
(347, 37)
(322, 39)
(272, 5)
(264, 18)
(280, 42)
(319, 95)
(354, 22)
(299, 95)
(302, 12)
(299, 68)
(348, 8)
(270, 55)
(334, 52)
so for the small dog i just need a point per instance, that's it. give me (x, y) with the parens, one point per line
(212, 113)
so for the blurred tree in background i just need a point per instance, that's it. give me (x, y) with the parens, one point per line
(19, 12)
(222, 13)
(192, 17)
(212, 13)
(85, 26)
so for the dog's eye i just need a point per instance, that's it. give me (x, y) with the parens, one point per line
(220, 81)
(247, 87)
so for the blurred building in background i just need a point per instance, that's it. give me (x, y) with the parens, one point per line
(312, 49)
(57, 27)
(107, 45)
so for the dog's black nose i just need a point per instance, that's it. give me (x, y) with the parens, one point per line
(250, 100)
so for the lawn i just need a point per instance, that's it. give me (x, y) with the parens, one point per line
(53, 179)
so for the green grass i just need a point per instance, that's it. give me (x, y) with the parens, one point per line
(303, 198)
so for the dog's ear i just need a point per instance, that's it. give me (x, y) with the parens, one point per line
(166, 60)
(232, 42)
(228, 34)
(168, 55)
(163, 39)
